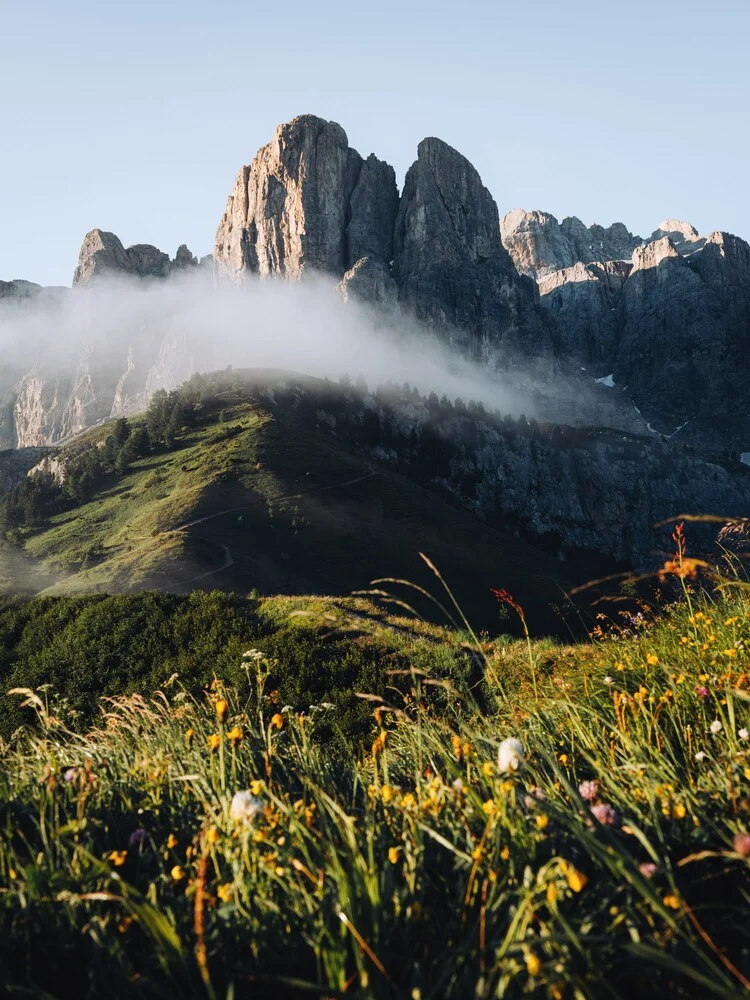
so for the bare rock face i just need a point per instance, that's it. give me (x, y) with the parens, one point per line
(684, 347)
(103, 254)
(307, 201)
(43, 401)
(17, 463)
(540, 245)
(18, 290)
(369, 280)
(685, 238)
(535, 242)
(373, 206)
(450, 265)
(583, 299)
(37, 406)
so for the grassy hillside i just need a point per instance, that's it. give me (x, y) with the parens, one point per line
(209, 843)
(84, 649)
(250, 500)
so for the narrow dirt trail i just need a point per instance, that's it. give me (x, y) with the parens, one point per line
(228, 561)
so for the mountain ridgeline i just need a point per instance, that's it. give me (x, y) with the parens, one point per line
(662, 323)
(630, 355)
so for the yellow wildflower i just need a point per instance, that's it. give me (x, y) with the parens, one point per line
(212, 835)
(551, 892)
(542, 821)
(533, 964)
(235, 735)
(221, 707)
(671, 901)
(394, 854)
(189, 734)
(488, 769)
(652, 659)
(563, 758)
(277, 721)
(576, 880)
(214, 741)
(171, 842)
(505, 854)
(489, 807)
(678, 811)
(117, 857)
(224, 892)
(256, 787)
(177, 873)
(386, 793)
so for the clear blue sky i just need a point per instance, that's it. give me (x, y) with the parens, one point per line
(135, 116)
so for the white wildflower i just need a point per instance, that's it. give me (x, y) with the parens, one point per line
(510, 756)
(715, 726)
(253, 654)
(245, 808)
(701, 755)
(609, 680)
(744, 735)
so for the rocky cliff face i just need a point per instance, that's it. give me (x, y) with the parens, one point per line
(17, 463)
(684, 347)
(451, 268)
(671, 323)
(540, 245)
(48, 395)
(103, 254)
(309, 202)
(573, 487)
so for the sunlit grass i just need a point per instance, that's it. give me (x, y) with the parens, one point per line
(197, 845)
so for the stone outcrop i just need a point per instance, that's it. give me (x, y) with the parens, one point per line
(584, 301)
(18, 290)
(684, 346)
(309, 202)
(47, 396)
(672, 324)
(16, 463)
(540, 245)
(451, 268)
(102, 254)
(369, 280)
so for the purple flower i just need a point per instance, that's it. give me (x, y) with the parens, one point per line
(588, 790)
(605, 813)
(702, 691)
(647, 869)
(137, 837)
(70, 774)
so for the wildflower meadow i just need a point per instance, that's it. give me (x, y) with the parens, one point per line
(583, 833)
